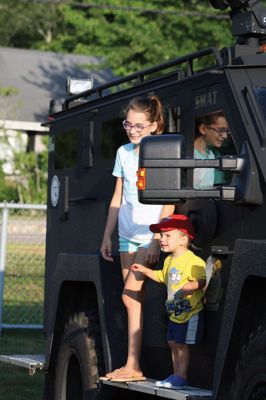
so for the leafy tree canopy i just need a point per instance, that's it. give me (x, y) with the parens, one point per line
(128, 35)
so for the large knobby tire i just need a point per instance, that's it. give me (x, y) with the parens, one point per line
(76, 367)
(250, 381)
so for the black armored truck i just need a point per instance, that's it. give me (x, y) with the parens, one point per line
(84, 319)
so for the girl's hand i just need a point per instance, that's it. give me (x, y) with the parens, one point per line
(106, 249)
(153, 252)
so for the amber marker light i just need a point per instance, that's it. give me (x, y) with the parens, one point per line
(263, 48)
(141, 181)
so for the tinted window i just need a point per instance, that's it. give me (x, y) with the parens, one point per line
(261, 98)
(66, 149)
(113, 136)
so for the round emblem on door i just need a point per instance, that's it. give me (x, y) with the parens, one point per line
(55, 185)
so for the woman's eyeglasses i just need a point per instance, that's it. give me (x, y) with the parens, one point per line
(221, 131)
(138, 127)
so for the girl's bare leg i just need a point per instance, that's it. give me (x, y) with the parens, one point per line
(132, 298)
(126, 259)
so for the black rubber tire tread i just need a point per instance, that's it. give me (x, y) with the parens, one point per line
(77, 365)
(250, 375)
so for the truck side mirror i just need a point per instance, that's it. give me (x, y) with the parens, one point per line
(162, 174)
(158, 176)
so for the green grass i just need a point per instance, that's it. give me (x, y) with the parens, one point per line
(23, 304)
(15, 382)
(24, 283)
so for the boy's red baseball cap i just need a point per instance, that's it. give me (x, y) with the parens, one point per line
(175, 221)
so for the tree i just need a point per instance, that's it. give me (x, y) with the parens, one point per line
(141, 35)
(27, 182)
(8, 191)
(27, 24)
(128, 36)
(31, 176)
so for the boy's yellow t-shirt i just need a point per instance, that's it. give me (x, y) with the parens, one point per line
(176, 272)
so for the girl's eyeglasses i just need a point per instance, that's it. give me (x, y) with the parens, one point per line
(221, 131)
(138, 127)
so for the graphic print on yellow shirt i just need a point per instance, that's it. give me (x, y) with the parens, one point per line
(176, 273)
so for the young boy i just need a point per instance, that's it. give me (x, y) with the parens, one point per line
(184, 274)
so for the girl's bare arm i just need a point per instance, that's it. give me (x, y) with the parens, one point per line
(106, 247)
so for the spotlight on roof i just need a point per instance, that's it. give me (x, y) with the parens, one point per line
(77, 86)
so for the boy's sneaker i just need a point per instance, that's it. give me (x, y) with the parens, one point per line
(162, 383)
(175, 382)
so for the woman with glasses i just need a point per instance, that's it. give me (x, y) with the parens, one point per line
(211, 132)
(143, 117)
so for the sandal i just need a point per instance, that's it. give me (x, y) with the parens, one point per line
(124, 375)
(110, 375)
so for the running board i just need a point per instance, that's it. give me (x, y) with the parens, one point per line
(148, 386)
(31, 362)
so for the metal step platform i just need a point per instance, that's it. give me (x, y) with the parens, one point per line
(36, 363)
(31, 362)
(148, 386)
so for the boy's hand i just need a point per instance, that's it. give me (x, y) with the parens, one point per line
(190, 287)
(138, 267)
(145, 271)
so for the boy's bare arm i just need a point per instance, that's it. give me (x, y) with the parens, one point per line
(150, 273)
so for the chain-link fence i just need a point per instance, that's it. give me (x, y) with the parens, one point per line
(22, 261)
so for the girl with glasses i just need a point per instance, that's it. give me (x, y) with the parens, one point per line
(211, 132)
(143, 117)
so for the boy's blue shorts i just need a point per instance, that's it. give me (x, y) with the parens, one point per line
(190, 332)
(126, 245)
